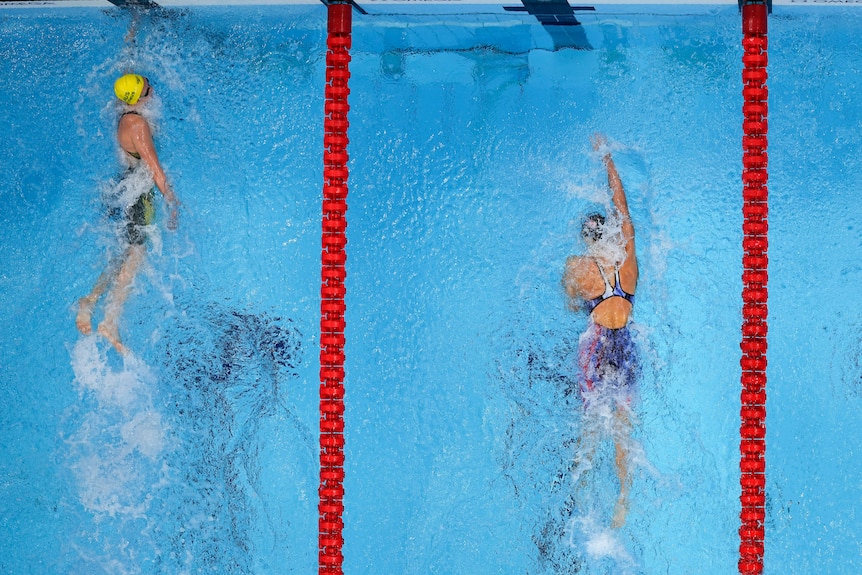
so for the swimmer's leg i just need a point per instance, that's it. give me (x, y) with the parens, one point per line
(622, 432)
(83, 320)
(126, 275)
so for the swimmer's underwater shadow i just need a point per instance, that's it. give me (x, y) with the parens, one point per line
(229, 373)
(175, 462)
(539, 380)
(540, 437)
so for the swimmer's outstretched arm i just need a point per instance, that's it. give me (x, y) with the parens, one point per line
(614, 183)
(133, 27)
(618, 197)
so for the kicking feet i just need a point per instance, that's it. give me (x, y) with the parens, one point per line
(108, 330)
(84, 318)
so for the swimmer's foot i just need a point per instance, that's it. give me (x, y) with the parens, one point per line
(85, 315)
(109, 331)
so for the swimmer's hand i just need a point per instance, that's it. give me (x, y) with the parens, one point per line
(600, 144)
(173, 217)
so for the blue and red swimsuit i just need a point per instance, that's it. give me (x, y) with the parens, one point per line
(608, 358)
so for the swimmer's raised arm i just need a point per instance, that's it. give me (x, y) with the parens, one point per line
(618, 198)
(614, 182)
(133, 28)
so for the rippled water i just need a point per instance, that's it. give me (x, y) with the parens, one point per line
(471, 168)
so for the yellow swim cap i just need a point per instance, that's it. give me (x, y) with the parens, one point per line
(128, 88)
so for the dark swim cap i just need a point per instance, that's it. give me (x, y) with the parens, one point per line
(591, 229)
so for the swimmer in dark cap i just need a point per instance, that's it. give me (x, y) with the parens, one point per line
(604, 281)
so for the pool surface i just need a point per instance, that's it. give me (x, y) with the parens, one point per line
(471, 167)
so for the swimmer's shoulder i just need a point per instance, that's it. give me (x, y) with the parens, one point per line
(579, 264)
(132, 119)
(578, 277)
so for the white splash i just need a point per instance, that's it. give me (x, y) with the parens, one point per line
(602, 543)
(115, 453)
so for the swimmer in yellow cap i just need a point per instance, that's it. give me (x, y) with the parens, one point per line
(136, 140)
(130, 88)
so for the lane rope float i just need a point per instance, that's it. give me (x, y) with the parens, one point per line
(755, 261)
(333, 291)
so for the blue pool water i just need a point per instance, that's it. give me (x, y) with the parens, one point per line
(470, 167)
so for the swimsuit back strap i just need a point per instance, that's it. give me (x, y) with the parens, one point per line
(609, 290)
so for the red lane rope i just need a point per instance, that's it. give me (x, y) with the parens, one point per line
(752, 445)
(332, 292)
